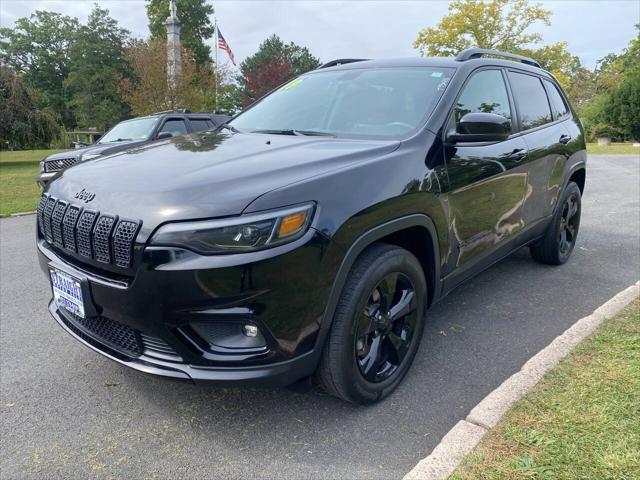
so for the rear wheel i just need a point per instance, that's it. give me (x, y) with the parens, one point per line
(377, 326)
(556, 246)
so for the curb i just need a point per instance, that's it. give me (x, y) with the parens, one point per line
(467, 433)
(19, 214)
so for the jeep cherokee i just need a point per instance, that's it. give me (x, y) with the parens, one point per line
(307, 237)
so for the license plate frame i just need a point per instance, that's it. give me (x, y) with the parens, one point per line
(68, 292)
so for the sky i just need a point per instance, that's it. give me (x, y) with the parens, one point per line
(360, 29)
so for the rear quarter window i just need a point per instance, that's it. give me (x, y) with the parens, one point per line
(559, 106)
(531, 100)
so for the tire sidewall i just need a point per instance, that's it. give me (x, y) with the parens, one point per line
(396, 260)
(572, 188)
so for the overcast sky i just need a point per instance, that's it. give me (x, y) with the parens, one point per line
(363, 29)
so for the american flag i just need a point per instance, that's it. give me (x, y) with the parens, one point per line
(223, 45)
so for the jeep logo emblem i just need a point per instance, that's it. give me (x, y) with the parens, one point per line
(85, 196)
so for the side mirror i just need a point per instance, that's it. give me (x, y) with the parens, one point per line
(162, 135)
(481, 127)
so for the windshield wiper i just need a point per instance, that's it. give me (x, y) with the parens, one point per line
(292, 131)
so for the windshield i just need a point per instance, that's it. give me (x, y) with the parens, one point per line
(138, 129)
(385, 102)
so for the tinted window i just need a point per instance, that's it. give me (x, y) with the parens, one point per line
(384, 102)
(485, 92)
(531, 99)
(558, 104)
(174, 126)
(200, 124)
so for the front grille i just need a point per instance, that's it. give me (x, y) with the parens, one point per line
(107, 332)
(101, 237)
(60, 164)
(104, 332)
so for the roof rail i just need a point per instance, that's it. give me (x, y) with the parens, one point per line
(470, 53)
(181, 110)
(341, 61)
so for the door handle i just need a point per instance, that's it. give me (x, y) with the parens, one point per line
(518, 154)
(564, 139)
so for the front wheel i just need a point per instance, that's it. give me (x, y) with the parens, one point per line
(556, 246)
(377, 326)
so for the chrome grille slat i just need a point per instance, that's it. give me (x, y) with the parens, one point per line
(59, 164)
(46, 218)
(69, 227)
(41, 205)
(83, 233)
(123, 238)
(56, 222)
(101, 237)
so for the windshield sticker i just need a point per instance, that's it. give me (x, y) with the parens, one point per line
(292, 84)
(436, 74)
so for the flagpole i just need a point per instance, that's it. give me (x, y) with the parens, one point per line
(215, 27)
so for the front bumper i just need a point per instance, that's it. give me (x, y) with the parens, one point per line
(165, 308)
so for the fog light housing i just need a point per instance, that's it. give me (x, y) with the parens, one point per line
(250, 330)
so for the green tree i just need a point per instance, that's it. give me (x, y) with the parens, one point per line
(96, 66)
(273, 64)
(37, 48)
(494, 24)
(498, 25)
(22, 124)
(195, 17)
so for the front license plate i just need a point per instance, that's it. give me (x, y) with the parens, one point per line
(67, 292)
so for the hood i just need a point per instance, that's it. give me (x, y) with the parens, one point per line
(206, 175)
(96, 148)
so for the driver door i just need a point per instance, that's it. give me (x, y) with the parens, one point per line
(487, 181)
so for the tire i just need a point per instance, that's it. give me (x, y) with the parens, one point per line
(560, 238)
(377, 326)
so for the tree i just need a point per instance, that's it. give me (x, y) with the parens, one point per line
(22, 124)
(196, 24)
(497, 25)
(37, 48)
(96, 66)
(494, 24)
(147, 90)
(273, 64)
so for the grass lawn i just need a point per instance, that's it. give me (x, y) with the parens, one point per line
(581, 421)
(613, 149)
(18, 173)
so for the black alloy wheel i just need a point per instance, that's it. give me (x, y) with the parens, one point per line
(377, 326)
(385, 328)
(555, 247)
(568, 224)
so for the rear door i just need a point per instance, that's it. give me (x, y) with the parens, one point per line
(486, 180)
(546, 137)
(200, 124)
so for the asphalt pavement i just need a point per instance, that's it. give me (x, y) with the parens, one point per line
(66, 412)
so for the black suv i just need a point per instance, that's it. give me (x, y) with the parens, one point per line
(307, 237)
(129, 134)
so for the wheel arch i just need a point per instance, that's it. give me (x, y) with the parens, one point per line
(405, 232)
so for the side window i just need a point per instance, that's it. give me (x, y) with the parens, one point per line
(199, 124)
(484, 92)
(559, 106)
(174, 126)
(531, 99)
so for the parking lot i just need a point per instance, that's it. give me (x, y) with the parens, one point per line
(66, 412)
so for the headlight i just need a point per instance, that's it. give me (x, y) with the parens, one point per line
(90, 156)
(245, 233)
